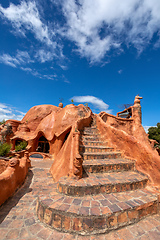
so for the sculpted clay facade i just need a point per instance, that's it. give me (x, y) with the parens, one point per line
(55, 133)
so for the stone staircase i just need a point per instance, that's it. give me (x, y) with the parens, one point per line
(111, 194)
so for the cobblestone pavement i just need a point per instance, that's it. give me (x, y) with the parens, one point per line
(18, 218)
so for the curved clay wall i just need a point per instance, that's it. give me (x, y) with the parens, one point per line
(3, 164)
(117, 122)
(13, 177)
(135, 145)
(68, 161)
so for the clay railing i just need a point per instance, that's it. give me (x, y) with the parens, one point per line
(68, 161)
(104, 114)
(117, 122)
(13, 177)
(76, 159)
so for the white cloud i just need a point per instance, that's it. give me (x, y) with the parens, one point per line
(22, 57)
(147, 127)
(9, 112)
(39, 75)
(8, 60)
(27, 69)
(120, 71)
(25, 17)
(64, 67)
(44, 56)
(96, 102)
(96, 27)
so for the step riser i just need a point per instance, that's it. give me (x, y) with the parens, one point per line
(86, 138)
(89, 143)
(87, 156)
(90, 131)
(86, 225)
(95, 150)
(108, 168)
(91, 135)
(97, 189)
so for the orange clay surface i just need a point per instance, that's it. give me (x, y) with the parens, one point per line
(61, 127)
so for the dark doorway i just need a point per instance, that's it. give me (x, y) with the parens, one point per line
(43, 145)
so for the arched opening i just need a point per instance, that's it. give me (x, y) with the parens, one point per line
(20, 145)
(18, 141)
(43, 145)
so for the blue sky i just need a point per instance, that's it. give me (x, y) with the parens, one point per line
(101, 52)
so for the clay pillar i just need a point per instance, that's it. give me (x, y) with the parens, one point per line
(136, 110)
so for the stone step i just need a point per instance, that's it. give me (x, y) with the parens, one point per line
(108, 165)
(93, 143)
(94, 214)
(89, 138)
(90, 131)
(92, 127)
(106, 155)
(94, 149)
(90, 134)
(102, 183)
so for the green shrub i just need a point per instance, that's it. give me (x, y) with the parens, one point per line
(154, 133)
(4, 149)
(2, 122)
(21, 146)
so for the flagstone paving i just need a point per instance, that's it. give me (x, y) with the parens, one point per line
(18, 218)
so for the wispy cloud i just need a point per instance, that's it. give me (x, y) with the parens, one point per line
(25, 17)
(44, 56)
(96, 102)
(21, 58)
(120, 71)
(38, 74)
(96, 27)
(9, 112)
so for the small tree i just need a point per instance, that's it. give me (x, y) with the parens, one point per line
(154, 133)
(2, 122)
(4, 149)
(21, 146)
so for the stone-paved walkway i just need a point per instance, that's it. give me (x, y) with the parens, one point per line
(18, 218)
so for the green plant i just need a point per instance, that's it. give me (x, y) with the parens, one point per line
(86, 104)
(21, 146)
(154, 133)
(2, 122)
(76, 130)
(72, 101)
(157, 146)
(4, 149)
